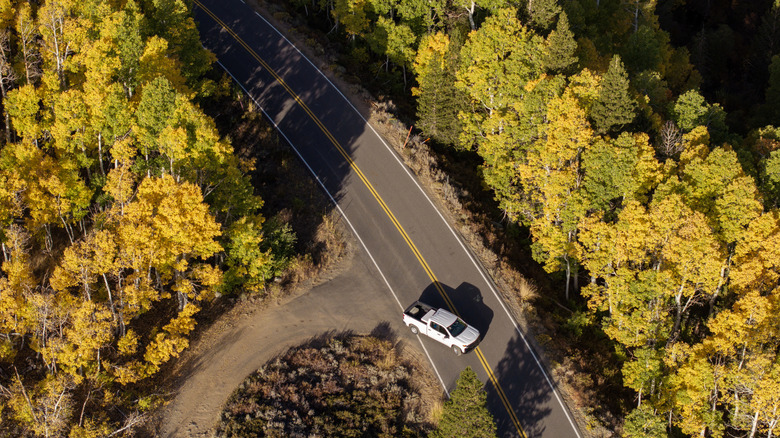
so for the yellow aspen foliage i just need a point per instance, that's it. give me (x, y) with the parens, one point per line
(166, 220)
(22, 105)
(550, 178)
(744, 325)
(91, 428)
(128, 344)
(120, 183)
(687, 245)
(70, 121)
(9, 205)
(584, 86)
(16, 315)
(98, 57)
(757, 257)
(127, 373)
(765, 402)
(51, 190)
(206, 279)
(696, 386)
(695, 145)
(172, 143)
(18, 272)
(83, 263)
(431, 54)
(138, 295)
(89, 331)
(171, 341)
(7, 12)
(51, 314)
(45, 408)
(123, 151)
(352, 14)
(157, 62)
(742, 348)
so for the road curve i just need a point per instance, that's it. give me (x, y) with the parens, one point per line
(228, 353)
(415, 252)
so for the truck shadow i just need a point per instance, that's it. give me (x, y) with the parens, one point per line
(468, 302)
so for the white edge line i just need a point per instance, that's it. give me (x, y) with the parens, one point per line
(479, 268)
(341, 212)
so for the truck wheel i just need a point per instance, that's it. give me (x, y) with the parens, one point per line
(457, 350)
(414, 329)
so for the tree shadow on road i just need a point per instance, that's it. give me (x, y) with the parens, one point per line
(527, 392)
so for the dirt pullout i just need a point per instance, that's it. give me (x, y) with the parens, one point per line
(352, 300)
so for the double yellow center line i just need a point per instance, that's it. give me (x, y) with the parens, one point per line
(376, 196)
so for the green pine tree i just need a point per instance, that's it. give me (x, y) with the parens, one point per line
(465, 413)
(614, 108)
(438, 102)
(542, 14)
(559, 56)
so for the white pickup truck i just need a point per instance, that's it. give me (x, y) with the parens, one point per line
(442, 326)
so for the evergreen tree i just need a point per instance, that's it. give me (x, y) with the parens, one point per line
(614, 108)
(465, 413)
(542, 14)
(438, 102)
(772, 113)
(559, 56)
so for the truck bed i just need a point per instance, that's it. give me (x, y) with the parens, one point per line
(417, 310)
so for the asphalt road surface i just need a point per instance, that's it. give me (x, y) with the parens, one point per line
(416, 253)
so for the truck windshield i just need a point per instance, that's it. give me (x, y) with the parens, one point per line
(457, 327)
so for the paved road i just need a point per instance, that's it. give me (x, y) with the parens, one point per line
(415, 252)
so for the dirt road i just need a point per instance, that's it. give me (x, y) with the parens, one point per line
(225, 354)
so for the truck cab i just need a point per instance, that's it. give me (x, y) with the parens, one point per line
(442, 326)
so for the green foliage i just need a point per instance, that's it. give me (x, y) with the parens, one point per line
(691, 110)
(155, 109)
(394, 40)
(560, 48)
(770, 172)
(171, 19)
(438, 102)
(257, 251)
(614, 108)
(644, 422)
(620, 169)
(644, 50)
(543, 13)
(465, 414)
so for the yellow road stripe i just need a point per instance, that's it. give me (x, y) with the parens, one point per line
(378, 198)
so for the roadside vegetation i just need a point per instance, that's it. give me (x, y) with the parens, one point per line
(465, 414)
(347, 385)
(623, 156)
